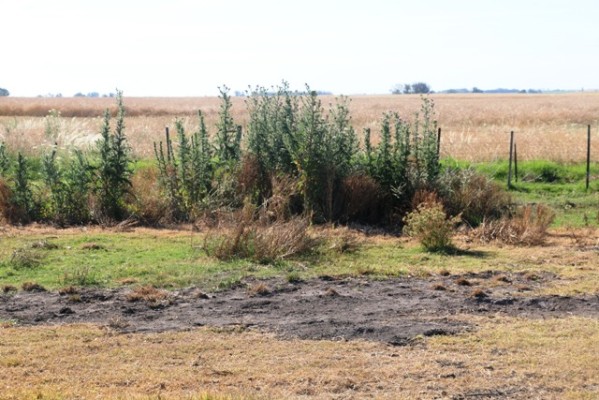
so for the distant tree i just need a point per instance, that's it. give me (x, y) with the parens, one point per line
(78, 94)
(476, 90)
(400, 88)
(420, 88)
(4, 92)
(93, 94)
(397, 89)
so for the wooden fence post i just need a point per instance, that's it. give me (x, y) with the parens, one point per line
(516, 161)
(588, 156)
(438, 144)
(509, 171)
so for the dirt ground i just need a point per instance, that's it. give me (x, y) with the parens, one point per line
(390, 311)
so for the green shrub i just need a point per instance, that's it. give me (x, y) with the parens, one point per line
(430, 225)
(69, 184)
(114, 167)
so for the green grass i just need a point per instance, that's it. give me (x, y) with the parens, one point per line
(560, 186)
(109, 259)
(172, 261)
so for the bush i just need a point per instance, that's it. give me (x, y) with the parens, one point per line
(527, 227)
(430, 225)
(474, 196)
(114, 169)
(148, 204)
(363, 199)
(6, 213)
(257, 239)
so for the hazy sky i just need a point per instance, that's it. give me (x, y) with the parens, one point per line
(188, 48)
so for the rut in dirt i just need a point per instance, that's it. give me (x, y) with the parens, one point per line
(394, 311)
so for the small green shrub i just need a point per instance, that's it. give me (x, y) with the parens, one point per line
(430, 225)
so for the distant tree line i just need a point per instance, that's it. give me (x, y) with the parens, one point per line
(93, 94)
(4, 92)
(499, 90)
(411, 88)
(423, 88)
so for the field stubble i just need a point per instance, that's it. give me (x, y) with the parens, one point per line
(475, 127)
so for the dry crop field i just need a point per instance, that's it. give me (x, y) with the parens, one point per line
(475, 126)
(131, 312)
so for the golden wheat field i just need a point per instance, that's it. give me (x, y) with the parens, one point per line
(475, 127)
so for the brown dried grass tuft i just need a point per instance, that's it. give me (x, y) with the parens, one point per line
(259, 289)
(527, 228)
(148, 294)
(32, 287)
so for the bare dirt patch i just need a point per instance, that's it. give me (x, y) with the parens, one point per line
(391, 311)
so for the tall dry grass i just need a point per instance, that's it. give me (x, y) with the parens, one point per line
(475, 127)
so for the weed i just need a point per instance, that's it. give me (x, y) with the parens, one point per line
(366, 270)
(259, 289)
(148, 294)
(502, 278)
(75, 298)
(127, 281)
(114, 169)
(68, 290)
(81, 276)
(32, 287)
(430, 225)
(293, 277)
(478, 294)
(531, 276)
(461, 281)
(528, 227)
(92, 246)
(44, 245)
(439, 286)
(444, 272)
(8, 289)
(473, 196)
(26, 258)
(117, 323)
(330, 292)
(261, 243)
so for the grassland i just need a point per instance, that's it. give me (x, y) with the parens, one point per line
(504, 357)
(475, 127)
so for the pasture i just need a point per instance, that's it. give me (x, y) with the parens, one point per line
(209, 307)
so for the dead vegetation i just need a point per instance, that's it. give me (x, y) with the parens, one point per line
(512, 358)
(256, 236)
(547, 126)
(528, 227)
(148, 294)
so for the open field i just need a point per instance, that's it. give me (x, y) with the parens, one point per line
(126, 311)
(385, 320)
(475, 127)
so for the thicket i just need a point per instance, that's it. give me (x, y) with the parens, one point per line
(295, 158)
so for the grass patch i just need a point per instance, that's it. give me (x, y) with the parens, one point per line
(518, 358)
(170, 259)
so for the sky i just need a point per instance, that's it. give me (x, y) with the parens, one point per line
(190, 48)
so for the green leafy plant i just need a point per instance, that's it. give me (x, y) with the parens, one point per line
(430, 225)
(114, 168)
